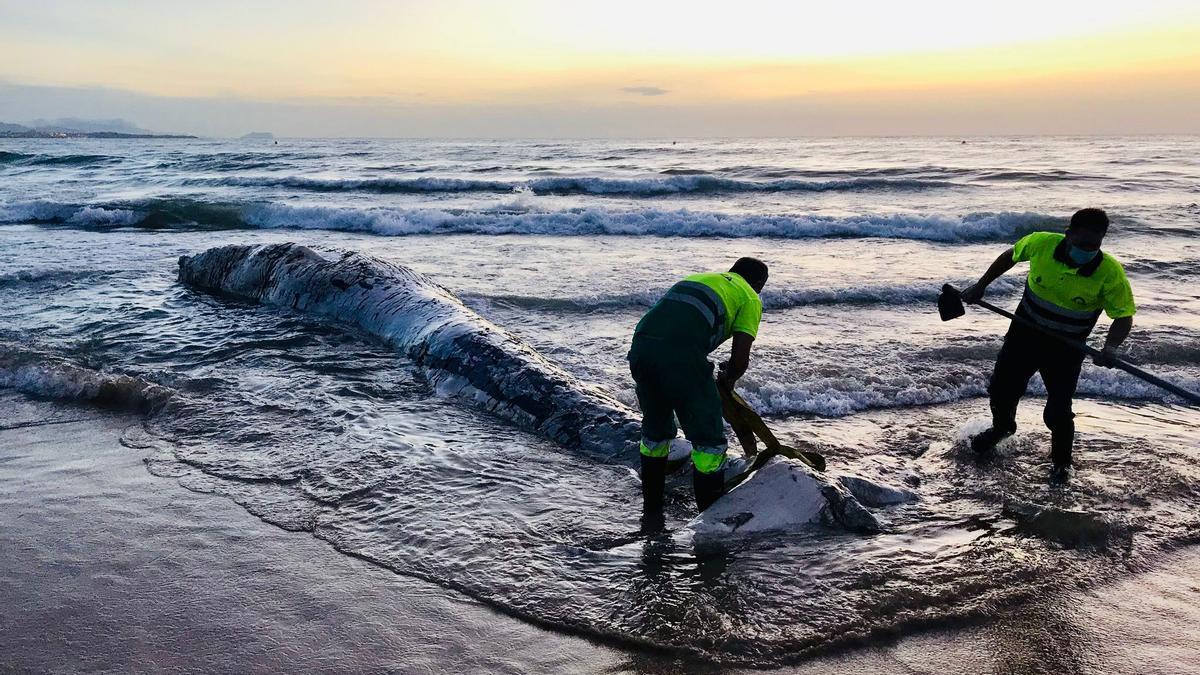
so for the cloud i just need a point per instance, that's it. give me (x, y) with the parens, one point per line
(645, 91)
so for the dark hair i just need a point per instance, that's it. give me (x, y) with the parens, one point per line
(1095, 220)
(753, 270)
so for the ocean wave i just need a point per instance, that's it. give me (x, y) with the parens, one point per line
(959, 175)
(1163, 268)
(148, 213)
(921, 172)
(1046, 176)
(691, 183)
(27, 159)
(518, 218)
(1169, 346)
(239, 161)
(46, 376)
(685, 172)
(660, 222)
(651, 222)
(847, 393)
(844, 394)
(50, 275)
(914, 293)
(1177, 349)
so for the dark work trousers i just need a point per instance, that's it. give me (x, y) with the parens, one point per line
(1024, 353)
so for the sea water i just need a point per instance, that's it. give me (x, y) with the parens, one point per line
(317, 426)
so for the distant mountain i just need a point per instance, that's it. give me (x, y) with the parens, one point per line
(258, 136)
(71, 127)
(75, 124)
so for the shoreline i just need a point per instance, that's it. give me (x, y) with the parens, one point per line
(105, 567)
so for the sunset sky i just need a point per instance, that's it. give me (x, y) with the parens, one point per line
(618, 68)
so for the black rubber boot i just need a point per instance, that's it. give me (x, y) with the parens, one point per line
(708, 486)
(1060, 474)
(986, 440)
(1062, 442)
(654, 478)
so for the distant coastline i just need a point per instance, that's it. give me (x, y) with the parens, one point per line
(35, 133)
(116, 129)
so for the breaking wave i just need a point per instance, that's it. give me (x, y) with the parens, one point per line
(686, 183)
(148, 213)
(168, 213)
(791, 391)
(654, 222)
(916, 293)
(46, 376)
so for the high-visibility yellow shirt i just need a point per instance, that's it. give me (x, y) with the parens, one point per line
(1067, 298)
(704, 310)
(743, 307)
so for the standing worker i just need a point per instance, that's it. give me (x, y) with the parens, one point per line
(1070, 281)
(669, 363)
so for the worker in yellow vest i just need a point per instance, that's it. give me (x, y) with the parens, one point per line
(669, 363)
(1070, 282)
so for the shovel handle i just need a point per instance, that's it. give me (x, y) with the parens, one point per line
(1092, 351)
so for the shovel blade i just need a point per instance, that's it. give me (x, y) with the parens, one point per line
(813, 459)
(950, 305)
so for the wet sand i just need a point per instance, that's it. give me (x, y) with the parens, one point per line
(107, 568)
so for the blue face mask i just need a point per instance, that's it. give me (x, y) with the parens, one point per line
(1080, 256)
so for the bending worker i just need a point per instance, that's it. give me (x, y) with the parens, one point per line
(1070, 281)
(669, 362)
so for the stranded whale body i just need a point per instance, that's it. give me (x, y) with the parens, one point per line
(465, 355)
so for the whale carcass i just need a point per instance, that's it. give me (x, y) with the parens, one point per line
(466, 355)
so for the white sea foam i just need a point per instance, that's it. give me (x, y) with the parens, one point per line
(656, 222)
(925, 292)
(519, 216)
(48, 377)
(838, 396)
(46, 211)
(38, 211)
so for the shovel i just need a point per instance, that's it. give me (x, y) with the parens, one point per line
(950, 306)
(747, 424)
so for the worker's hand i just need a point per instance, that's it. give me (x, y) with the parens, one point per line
(723, 380)
(972, 294)
(1107, 357)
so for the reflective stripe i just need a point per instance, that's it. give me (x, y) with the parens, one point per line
(718, 305)
(1058, 319)
(708, 459)
(708, 291)
(1050, 306)
(694, 302)
(1056, 326)
(655, 448)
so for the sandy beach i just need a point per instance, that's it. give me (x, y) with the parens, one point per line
(107, 568)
